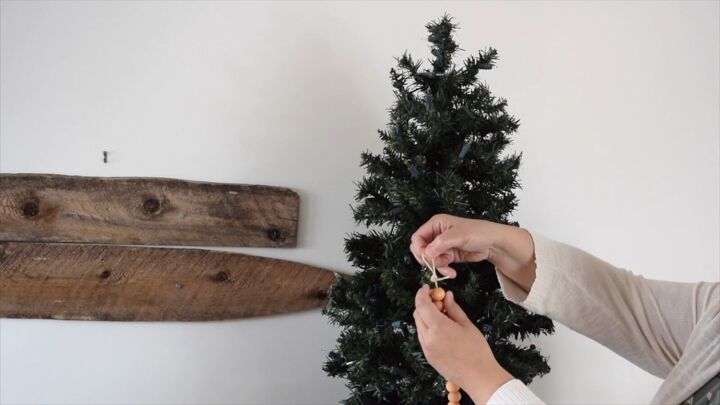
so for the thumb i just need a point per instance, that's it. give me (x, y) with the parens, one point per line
(450, 239)
(454, 311)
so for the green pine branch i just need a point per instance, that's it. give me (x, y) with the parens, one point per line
(445, 151)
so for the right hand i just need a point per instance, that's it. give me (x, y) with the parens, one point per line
(455, 347)
(447, 239)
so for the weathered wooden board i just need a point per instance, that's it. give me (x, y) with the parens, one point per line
(118, 283)
(54, 208)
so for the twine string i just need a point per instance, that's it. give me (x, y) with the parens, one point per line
(434, 278)
(433, 271)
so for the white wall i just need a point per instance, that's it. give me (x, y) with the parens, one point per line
(619, 110)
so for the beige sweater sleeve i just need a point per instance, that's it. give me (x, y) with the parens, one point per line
(645, 321)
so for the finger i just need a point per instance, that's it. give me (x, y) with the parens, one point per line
(421, 239)
(442, 260)
(445, 242)
(447, 271)
(424, 290)
(454, 311)
(417, 252)
(441, 263)
(420, 325)
(422, 338)
(429, 313)
(427, 232)
(417, 247)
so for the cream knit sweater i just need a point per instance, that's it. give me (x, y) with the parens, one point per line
(669, 329)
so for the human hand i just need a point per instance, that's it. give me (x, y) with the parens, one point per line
(456, 348)
(446, 239)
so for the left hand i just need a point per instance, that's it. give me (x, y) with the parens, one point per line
(456, 348)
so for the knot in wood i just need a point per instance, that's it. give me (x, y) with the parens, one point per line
(274, 234)
(221, 277)
(321, 295)
(30, 209)
(105, 274)
(151, 205)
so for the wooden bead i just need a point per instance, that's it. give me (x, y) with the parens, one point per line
(439, 305)
(454, 397)
(452, 387)
(437, 294)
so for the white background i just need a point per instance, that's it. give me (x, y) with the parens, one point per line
(618, 105)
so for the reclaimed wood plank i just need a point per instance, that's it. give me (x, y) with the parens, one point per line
(119, 283)
(149, 211)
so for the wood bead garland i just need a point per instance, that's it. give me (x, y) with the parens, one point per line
(438, 302)
(437, 295)
(452, 387)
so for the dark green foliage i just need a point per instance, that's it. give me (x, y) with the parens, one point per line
(444, 153)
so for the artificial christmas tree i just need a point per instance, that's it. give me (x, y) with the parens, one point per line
(444, 153)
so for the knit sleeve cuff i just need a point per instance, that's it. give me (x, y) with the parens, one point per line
(514, 392)
(546, 275)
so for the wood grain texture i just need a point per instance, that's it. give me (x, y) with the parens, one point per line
(55, 208)
(118, 283)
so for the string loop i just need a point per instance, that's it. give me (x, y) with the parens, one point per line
(433, 271)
